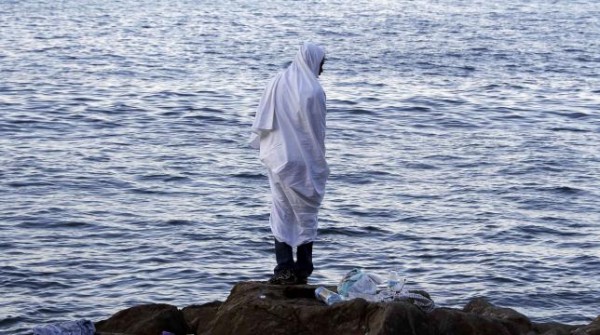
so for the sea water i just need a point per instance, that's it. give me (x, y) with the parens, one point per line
(463, 141)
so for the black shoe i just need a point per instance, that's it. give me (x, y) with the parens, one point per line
(284, 277)
(301, 280)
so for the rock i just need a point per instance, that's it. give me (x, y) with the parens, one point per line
(552, 328)
(591, 329)
(260, 308)
(148, 319)
(453, 321)
(199, 317)
(515, 322)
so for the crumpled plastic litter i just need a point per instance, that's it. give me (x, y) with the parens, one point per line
(360, 284)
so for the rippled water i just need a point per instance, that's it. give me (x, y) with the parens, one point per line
(463, 141)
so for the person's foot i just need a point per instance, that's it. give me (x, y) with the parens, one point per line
(301, 280)
(284, 277)
(302, 276)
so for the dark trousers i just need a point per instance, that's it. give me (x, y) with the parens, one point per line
(284, 254)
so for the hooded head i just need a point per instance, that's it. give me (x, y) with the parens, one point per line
(310, 56)
(299, 78)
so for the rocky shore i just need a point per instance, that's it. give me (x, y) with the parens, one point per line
(259, 308)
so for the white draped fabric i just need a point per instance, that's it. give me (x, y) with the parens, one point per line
(289, 130)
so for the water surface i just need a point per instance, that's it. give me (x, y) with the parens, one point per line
(462, 138)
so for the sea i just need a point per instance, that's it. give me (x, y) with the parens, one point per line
(463, 139)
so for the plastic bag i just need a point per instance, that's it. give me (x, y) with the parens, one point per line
(357, 283)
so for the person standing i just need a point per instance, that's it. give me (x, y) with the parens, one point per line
(289, 130)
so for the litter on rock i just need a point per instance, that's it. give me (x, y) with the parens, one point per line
(360, 284)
